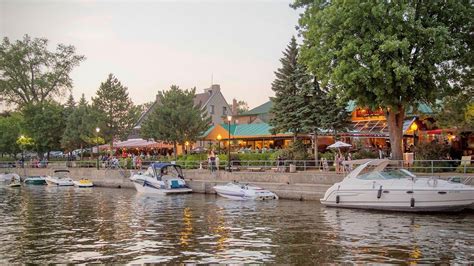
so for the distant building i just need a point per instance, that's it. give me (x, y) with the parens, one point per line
(210, 100)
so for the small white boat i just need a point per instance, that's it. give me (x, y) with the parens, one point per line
(161, 178)
(60, 177)
(9, 178)
(376, 185)
(15, 184)
(83, 183)
(237, 191)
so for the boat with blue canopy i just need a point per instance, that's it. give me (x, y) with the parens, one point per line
(161, 178)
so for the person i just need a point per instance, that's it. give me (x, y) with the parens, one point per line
(217, 163)
(336, 162)
(134, 161)
(211, 160)
(279, 164)
(349, 158)
(139, 162)
(380, 153)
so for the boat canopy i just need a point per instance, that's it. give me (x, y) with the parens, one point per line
(61, 171)
(163, 165)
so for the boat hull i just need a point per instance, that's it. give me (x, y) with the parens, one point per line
(234, 192)
(83, 184)
(439, 200)
(51, 181)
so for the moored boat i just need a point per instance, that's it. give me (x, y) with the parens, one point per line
(60, 177)
(376, 184)
(35, 180)
(237, 191)
(161, 178)
(83, 183)
(9, 178)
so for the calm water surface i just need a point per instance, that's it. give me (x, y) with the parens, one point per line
(49, 224)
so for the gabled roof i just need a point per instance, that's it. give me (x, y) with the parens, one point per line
(202, 98)
(261, 109)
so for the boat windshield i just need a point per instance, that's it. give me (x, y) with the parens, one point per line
(386, 174)
(174, 171)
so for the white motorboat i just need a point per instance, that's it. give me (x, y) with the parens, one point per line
(60, 177)
(237, 191)
(9, 178)
(161, 178)
(374, 184)
(83, 183)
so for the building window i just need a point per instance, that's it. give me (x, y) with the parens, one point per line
(224, 110)
(211, 109)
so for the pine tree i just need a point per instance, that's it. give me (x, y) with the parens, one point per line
(176, 119)
(288, 98)
(69, 106)
(80, 127)
(116, 112)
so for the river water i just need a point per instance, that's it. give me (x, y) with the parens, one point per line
(40, 224)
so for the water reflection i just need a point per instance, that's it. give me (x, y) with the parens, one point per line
(50, 224)
(401, 237)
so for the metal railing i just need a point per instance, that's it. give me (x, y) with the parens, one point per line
(417, 166)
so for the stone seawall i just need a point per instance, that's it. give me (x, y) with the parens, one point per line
(308, 185)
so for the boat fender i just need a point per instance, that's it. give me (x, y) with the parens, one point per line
(412, 202)
(379, 193)
(337, 199)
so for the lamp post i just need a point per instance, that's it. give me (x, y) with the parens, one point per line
(186, 144)
(97, 130)
(219, 137)
(229, 118)
(414, 128)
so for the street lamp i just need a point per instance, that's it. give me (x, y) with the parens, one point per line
(219, 137)
(97, 130)
(414, 128)
(229, 118)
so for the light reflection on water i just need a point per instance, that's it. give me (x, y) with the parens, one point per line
(50, 224)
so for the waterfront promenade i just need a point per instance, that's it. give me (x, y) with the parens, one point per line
(304, 185)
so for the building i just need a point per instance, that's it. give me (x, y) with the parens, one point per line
(368, 129)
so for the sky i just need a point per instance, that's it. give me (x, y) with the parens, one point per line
(150, 45)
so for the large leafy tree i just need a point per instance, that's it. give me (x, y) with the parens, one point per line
(80, 127)
(457, 111)
(10, 132)
(115, 110)
(30, 73)
(44, 123)
(288, 98)
(389, 54)
(176, 119)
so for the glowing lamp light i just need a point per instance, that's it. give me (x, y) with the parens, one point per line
(414, 126)
(219, 137)
(97, 129)
(186, 143)
(229, 118)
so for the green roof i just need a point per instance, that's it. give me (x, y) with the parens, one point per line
(249, 129)
(423, 108)
(261, 109)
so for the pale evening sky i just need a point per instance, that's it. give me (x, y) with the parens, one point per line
(150, 45)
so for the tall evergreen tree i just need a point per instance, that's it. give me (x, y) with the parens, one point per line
(69, 106)
(176, 119)
(116, 112)
(288, 94)
(80, 127)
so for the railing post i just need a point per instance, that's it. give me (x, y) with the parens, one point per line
(432, 167)
(304, 165)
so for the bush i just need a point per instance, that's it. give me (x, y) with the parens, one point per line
(431, 151)
(365, 154)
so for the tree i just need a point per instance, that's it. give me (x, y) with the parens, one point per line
(115, 111)
(29, 73)
(69, 106)
(388, 54)
(11, 130)
(242, 107)
(44, 123)
(80, 127)
(176, 119)
(288, 98)
(457, 111)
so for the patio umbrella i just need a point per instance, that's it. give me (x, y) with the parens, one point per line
(339, 144)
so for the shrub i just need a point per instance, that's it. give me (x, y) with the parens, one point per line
(364, 154)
